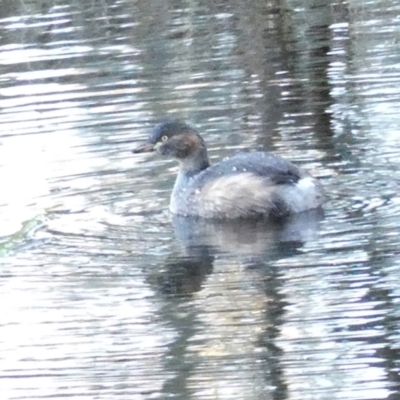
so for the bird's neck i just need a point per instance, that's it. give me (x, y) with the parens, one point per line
(190, 167)
(193, 165)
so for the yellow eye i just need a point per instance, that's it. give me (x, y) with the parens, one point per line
(164, 138)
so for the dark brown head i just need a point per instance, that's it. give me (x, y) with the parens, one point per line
(178, 140)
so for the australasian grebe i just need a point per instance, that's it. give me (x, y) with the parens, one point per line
(247, 185)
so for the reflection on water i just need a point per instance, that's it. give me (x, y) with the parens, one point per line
(105, 295)
(246, 237)
(203, 242)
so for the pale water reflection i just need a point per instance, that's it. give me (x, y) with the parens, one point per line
(104, 295)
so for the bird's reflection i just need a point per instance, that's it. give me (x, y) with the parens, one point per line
(255, 241)
(208, 307)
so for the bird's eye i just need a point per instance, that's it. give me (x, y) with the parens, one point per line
(164, 138)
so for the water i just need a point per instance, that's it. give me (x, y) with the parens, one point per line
(104, 295)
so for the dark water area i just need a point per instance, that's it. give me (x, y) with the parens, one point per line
(105, 295)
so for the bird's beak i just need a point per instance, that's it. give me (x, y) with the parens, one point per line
(144, 148)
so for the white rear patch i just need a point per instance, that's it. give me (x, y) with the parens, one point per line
(306, 194)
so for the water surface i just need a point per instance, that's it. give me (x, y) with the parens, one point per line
(104, 295)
